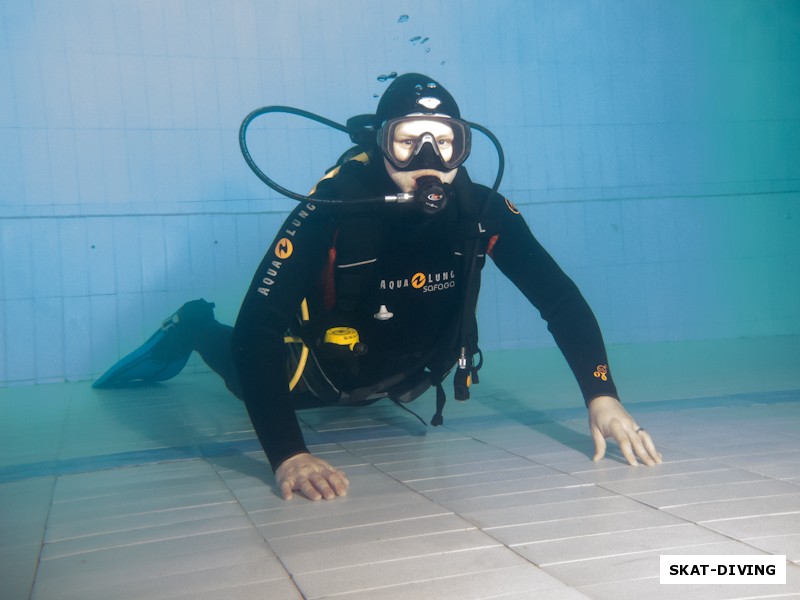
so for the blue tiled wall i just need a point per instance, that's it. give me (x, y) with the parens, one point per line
(652, 145)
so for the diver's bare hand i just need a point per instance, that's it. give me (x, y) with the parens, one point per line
(312, 477)
(608, 418)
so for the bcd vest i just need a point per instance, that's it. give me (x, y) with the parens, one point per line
(354, 260)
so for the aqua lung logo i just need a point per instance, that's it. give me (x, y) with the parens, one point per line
(284, 248)
(430, 282)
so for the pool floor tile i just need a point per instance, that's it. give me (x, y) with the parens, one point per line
(156, 492)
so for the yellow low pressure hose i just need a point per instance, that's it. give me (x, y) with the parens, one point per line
(301, 364)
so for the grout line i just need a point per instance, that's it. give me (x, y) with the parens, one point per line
(414, 581)
(611, 514)
(42, 542)
(362, 525)
(777, 514)
(148, 541)
(727, 500)
(142, 527)
(637, 552)
(405, 558)
(255, 527)
(591, 535)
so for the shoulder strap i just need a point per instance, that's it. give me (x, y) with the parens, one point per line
(472, 234)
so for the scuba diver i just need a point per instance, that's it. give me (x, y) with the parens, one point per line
(358, 299)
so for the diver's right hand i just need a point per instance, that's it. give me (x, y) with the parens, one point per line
(313, 477)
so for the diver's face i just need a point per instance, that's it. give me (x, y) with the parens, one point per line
(407, 180)
(403, 144)
(407, 134)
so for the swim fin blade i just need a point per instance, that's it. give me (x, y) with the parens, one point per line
(149, 362)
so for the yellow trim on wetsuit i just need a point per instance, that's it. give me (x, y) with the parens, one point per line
(363, 157)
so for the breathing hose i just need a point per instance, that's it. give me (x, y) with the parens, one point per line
(357, 132)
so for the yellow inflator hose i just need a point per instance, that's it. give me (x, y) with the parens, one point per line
(301, 364)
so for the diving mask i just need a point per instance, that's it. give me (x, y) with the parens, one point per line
(416, 142)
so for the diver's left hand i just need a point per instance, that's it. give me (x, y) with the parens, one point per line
(608, 418)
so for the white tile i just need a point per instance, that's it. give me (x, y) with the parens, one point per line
(281, 589)
(480, 467)
(584, 552)
(788, 545)
(497, 477)
(369, 533)
(756, 527)
(680, 481)
(756, 460)
(514, 583)
(613, 473)
(128, 523)
(284, 589)
(78, 573)
(712, 493)
(243, 579)
(732, 452)
(119, 491)
(378, 575)
(109, 506)
(789, 472)
(394, 442)
(732, 509)
(384, 550)
(582, 526)
(565, 509)
(427, 515)
(500, 500)
(456, 453)
(134, 536)
(559, 593)
(551, 481)
(336, 514)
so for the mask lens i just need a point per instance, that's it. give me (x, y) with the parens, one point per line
(404, 141)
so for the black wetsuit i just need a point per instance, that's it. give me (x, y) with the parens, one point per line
(416, 275)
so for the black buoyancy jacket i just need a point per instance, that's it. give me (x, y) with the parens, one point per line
(301, 251)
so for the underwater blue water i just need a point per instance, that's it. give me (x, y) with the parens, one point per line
(652, 147)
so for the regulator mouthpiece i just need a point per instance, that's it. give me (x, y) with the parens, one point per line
(432, 195)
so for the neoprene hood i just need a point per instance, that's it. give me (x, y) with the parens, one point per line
(413, 93)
